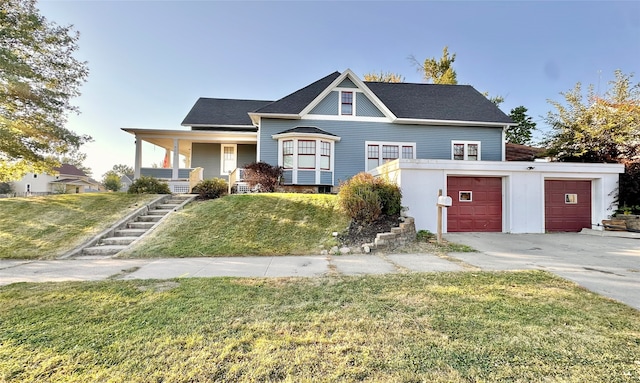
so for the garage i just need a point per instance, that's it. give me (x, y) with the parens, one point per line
(567, 205)
(476, 204)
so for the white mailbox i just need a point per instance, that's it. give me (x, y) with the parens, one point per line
(444, 200)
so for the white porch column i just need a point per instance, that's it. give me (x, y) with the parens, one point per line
(176, 159)
(138, 159)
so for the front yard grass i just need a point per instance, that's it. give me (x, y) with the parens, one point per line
(434, 327)
(249, 224)
(47, 227)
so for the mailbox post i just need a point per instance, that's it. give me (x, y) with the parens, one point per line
(443, 201)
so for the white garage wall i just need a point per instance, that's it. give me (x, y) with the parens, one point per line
(523, 188)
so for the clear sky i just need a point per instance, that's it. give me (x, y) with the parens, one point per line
(150, 61)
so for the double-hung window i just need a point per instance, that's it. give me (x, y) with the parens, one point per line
(379, 153)
(465, 150)
(306, 154)
(325, 155)
(346, 103)
(287, 154)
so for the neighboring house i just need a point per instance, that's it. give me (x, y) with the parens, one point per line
(339, 125)
(125, 181)
(518, 152)
(66, 179)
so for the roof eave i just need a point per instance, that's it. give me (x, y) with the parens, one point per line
(255, 117)
(218, 126)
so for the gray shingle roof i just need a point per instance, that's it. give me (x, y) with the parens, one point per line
(437, 102)
(298, 100)
(405, 100)
(69, 169)
(222, 112)
(307, 129)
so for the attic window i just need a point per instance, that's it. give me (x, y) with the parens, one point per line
(346, 105)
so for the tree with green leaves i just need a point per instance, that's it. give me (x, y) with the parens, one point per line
(38, 78)
(438, 71)
(111, 181)
(383, 77)
(522, 133)
(597, 128)
(122, 170)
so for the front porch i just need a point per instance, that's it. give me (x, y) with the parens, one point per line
(205, 154)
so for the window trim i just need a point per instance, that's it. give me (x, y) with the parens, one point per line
(466, 150)
(342, 103)
(380, 144)
(314, 154)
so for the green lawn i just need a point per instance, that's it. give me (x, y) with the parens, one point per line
(435, 327)
(47, 227)
(250, 224)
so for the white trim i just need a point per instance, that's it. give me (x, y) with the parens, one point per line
(219, 126)
(504, 143)
(360, 86)
(294, 135)
(417, 121)
(385, 143)
(235, 155)
(326, 117)
(466, 150)
(258, 142)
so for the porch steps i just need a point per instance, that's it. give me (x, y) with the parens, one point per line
(131, 230)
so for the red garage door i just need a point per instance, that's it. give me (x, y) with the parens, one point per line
(477, 204)
(567, 205)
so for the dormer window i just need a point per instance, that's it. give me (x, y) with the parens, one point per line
(346, 103)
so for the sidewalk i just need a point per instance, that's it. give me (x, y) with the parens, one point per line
(167, 268)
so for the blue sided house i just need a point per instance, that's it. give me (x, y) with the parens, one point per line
(426, 137)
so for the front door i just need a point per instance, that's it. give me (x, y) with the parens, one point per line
(229, 159)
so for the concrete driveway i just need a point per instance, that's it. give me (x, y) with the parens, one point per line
(609, 266)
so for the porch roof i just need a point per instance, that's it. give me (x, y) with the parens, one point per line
(164, 138)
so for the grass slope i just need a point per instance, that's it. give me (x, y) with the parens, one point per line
(445, 327)
(250, 224)
(46, 227)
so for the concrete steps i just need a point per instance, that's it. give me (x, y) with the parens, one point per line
(121, 238)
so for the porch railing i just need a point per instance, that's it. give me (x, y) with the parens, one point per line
(237, 183)
(187, 177)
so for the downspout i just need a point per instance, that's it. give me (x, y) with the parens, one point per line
(504, 142)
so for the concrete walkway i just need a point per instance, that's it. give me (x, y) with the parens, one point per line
(166, 268)
(606, 265)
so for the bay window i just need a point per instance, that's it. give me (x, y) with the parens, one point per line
(307, 155)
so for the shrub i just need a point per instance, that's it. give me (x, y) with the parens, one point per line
(262, 176)
(365, 198)
(424, 236)
(211, 188)
(6, 188)
(149, 185)
(629, 188)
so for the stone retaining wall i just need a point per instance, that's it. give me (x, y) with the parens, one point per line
(632, 221)
(399, 236)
